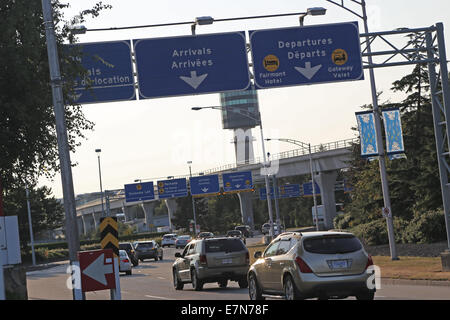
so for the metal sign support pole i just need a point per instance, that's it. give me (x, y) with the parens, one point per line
(383, 174)
(30, 225)
(61, 133)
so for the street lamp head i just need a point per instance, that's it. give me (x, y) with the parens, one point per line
(316, 11)
(196, 108)
(137, 180)
(204, 20)
(98, 150)
(79, 29)
(189, 162)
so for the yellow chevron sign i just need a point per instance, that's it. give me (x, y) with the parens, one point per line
(109, 234)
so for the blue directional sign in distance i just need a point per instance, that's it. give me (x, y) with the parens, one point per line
(289, 191)
(306, 55)
(237, 181)
(191, 64)
(204, 185)
(172, 188)
(109, 72)
(308, 190)
(284, 191)
(139, 192)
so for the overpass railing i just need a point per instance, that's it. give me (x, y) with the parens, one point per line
(340, 144)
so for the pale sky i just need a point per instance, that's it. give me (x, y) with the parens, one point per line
(155, 138)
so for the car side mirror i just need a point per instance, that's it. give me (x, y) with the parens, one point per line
(257, 254)
(177, 255)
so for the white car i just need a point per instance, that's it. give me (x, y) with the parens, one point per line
(168, 240)
(124, 262)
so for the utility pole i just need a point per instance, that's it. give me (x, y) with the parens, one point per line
(72, 236)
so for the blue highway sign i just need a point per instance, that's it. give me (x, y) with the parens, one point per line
(139, 192)
(109, 72)
(237, 181)
(191, 64)
(308, 190)
(284, 191)
(306, 55)
(172, 188)
(204, 185)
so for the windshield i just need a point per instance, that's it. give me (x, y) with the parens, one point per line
(332, 244)
(224, 245)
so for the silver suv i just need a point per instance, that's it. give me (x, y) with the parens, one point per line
(211, 260)
(312, 264)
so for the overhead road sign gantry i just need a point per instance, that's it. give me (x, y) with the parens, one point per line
(191, 64)
(139, 192)
(173, 188)
(109, 72)
(204, 185)
(306, 55)
(237, 182)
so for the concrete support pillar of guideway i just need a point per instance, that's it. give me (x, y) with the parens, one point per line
(83, 221)
(326, 181)
(245, 200)
(95, 220)
(243, 146)
(171, 205)
(148, 208)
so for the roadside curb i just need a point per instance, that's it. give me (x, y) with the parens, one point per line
(439, 283)
(45, 266)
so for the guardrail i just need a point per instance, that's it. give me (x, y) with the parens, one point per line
(340, 144)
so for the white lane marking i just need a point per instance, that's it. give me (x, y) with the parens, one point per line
(156, 297)
(161, 278)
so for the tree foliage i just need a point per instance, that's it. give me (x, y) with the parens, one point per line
(28, 142)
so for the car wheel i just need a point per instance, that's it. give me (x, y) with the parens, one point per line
(254, 290)
(178, 285)
(368, 295)
(156, 258)
(128, 273)
(290, 290)
(223, 283)
(243, 283)
(161, 257)
(197, 284)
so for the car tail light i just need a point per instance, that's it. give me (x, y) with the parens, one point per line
(369, 261)
(203, 259)
(304, 268)
(247, 257)
(125, 260)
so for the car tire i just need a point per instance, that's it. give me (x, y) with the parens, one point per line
(177, 284)
(290, 290)
(243, 283)
(156, 258)
(128, 273)
(368, 295)
(160, 258)
(197, 284)
(254, 291)
(223, 283)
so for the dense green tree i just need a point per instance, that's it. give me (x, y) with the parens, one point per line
(28, 144)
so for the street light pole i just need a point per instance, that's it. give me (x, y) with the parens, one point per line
(266, 174)
(303, 145)
(30, 225)
(193, 201)
(72, 236)
(100, 176)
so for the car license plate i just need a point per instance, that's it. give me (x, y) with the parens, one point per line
(227, 261)
(338, 264)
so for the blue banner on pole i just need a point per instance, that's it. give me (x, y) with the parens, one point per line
(308, 189)
(204, 185)
(368, 138)
(393, 130)
(237, 181)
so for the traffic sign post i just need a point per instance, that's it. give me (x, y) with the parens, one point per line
(191, 64)
(109, 72)
(139, 192)
(237, 182)
(174, 188)
(306, 55)
(204, 185)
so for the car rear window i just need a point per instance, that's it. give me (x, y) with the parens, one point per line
(124, 246)
(332, 244)
(146, 245)
(224, 245)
